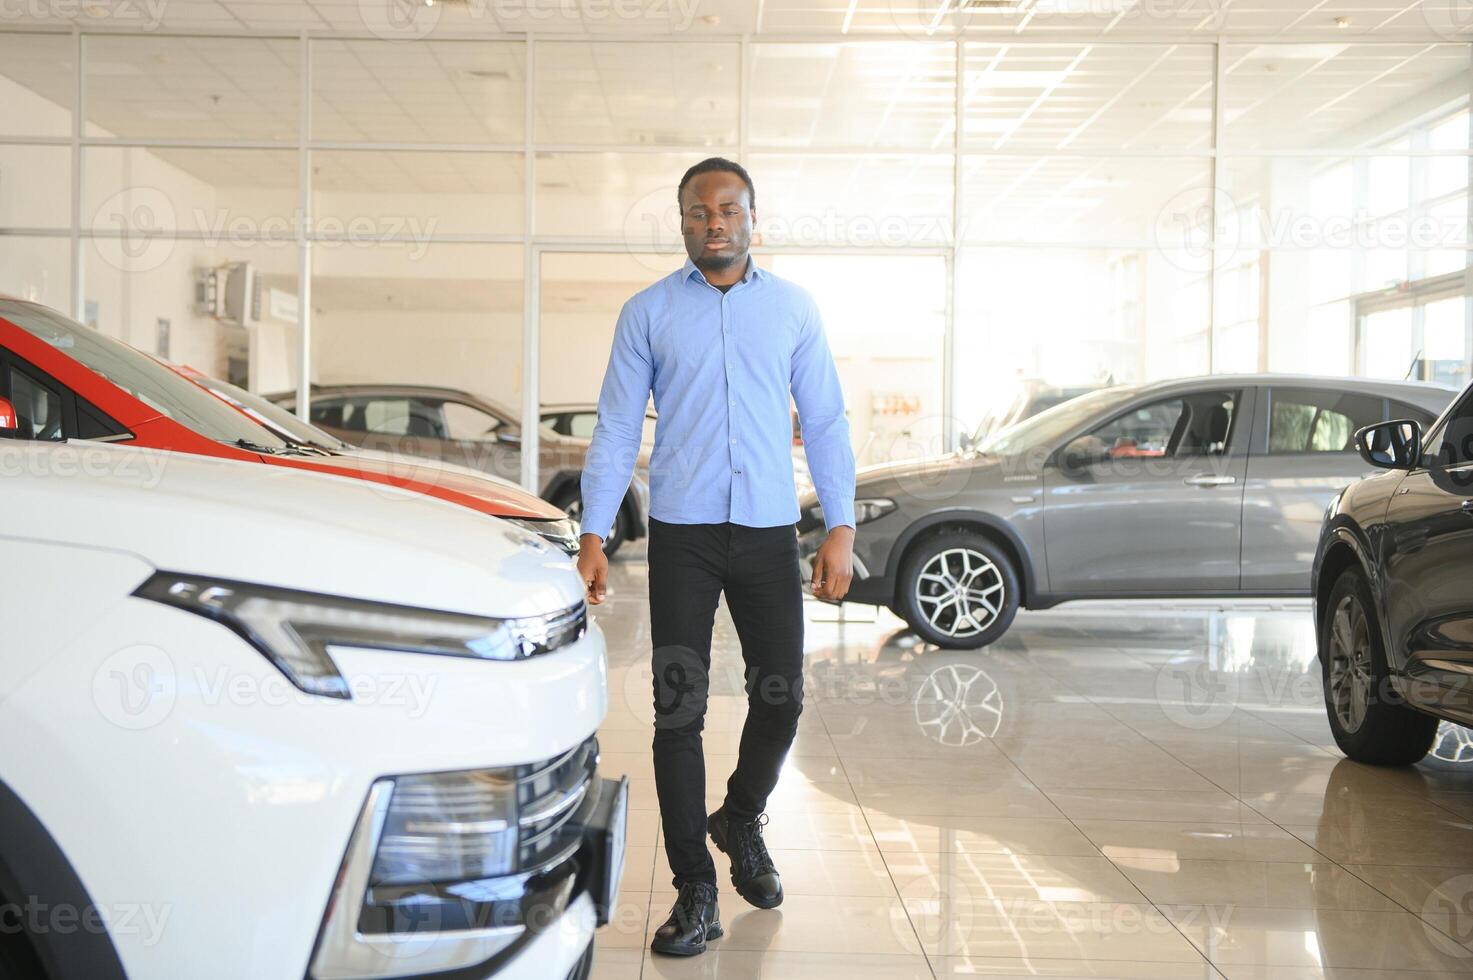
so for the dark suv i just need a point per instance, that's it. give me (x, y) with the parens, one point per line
(1393, 587)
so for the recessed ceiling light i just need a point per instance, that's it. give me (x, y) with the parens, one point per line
(1342, 22)
(711, 19)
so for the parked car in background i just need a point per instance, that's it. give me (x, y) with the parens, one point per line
(555, 526)
(461, 428)
(1393, 589)
(577, 419)
(1031, 398)
(70, 382)
(1201, 487)
(350, 718)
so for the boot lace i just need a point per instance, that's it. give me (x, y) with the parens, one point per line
(750, 848)
(692, 895)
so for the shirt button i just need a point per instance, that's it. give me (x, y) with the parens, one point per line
(733, 442)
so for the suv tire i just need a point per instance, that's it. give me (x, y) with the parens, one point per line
(1368, 720)
(957, 590)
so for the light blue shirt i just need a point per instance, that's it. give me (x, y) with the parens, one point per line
(722, 368)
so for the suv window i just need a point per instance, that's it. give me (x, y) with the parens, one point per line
(392, 415)
(1307, 420)
(37, 407)
(1453, 444)
(467, 422)
(1189, 425)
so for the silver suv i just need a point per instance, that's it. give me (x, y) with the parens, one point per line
(1201, 487)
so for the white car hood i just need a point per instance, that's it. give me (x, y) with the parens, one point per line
(279, 526)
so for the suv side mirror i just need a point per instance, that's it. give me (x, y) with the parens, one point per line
(509, 434)
(1075, 459)
(9, 420)
(1395, 445)
(966, 443)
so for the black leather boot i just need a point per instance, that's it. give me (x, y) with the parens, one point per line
(752, 872)
(693, 919)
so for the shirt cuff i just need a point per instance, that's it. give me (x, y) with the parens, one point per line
(596, 523)
(837, 513)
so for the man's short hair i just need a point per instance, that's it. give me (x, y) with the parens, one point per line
(717, 165)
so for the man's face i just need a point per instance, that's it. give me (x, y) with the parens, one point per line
(716, 220)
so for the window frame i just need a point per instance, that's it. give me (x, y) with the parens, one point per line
(72, 404)
(1263, 439)
(1242, 394)
(1435, 431)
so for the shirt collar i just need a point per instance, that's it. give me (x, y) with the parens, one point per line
(689, 270)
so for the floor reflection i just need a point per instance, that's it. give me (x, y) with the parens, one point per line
(1109, 791)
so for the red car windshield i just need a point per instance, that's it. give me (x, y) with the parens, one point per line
(142, 377)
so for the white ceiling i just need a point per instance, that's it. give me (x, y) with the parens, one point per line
(1024, 18)
(1027, 89)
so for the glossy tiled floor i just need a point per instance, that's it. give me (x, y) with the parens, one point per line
(1111, 791)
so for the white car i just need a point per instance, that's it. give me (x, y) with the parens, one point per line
(262, 723)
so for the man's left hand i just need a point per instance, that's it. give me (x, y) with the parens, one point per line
(833, 565)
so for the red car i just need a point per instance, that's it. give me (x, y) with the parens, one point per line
(64, 381)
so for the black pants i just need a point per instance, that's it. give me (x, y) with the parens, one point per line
(757, 568)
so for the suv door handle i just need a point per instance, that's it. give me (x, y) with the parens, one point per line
(1210, 481)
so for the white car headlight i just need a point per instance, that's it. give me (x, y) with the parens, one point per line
(295, 629)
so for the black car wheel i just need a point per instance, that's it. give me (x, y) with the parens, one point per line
(571, 500)
(958, 590)
(1369, 722)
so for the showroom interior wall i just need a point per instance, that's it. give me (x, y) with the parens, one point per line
(1067, 208)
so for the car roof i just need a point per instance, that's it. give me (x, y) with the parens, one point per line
(1422, 393)
(423, 391)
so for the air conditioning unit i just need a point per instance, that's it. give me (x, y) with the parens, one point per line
(230, 293)
(241, 297)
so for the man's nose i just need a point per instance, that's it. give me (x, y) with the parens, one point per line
(716, 226)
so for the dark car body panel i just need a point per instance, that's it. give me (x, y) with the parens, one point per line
(1412, 538)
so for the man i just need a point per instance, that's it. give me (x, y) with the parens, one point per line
(723, 345)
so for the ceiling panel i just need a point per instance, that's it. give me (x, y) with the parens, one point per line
(402, 19)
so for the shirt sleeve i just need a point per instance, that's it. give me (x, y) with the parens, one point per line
(820, 401)
(620, 427)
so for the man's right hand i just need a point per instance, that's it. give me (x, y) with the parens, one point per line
(593, 567)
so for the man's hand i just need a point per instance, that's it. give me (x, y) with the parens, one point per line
(593, 567)
(833, 565)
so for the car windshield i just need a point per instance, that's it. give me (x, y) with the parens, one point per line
(272, 415)
(1043, 430)
(142, 377)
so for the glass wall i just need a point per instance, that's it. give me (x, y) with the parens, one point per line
(973, 213)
